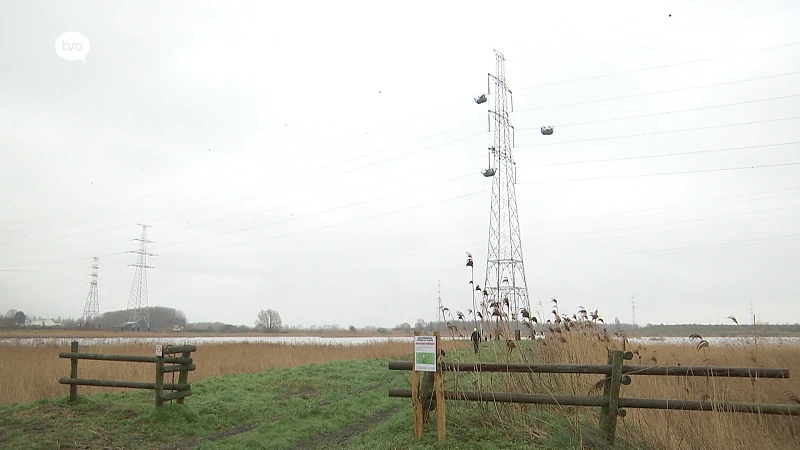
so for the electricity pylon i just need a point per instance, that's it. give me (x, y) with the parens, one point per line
(505, 288)
(138, 302)
(92, 308)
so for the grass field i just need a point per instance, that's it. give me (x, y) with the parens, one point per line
(660, 429)
(246, 394)
(335, 405)
(74, 333)
(29, 373)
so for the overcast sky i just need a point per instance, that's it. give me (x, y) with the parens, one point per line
(323, 158)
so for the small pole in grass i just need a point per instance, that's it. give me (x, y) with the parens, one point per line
(159, 376)
(611, 388)
(439, 387)
(183, 378)
(73, 371)
(417, 402)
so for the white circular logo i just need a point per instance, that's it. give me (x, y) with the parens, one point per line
(72, 46)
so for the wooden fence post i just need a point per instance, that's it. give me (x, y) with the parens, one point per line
(183, 377)
(416, 401)
(611, 387)
(73, 371)
(159, 388)
(439, 387)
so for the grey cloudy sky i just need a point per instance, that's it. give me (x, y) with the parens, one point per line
(323, 159)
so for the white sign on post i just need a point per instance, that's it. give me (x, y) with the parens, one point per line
(159, 351)
(425, 353)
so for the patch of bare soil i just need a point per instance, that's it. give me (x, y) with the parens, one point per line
(340, 438)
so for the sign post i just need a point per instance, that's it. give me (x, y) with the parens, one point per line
(426, 359)
(439, 389)
(416, 401)
(159, 390)
(425, 353)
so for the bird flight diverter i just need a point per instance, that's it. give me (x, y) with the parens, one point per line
(547, 131)
(480, 99)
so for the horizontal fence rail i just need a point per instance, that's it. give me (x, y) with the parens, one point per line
(603, 369)
(611, 404)
(122, 384)
(182, 364)
(587, 400)
(123, 358)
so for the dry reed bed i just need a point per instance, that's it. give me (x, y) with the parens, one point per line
(86, 333)
(30, 373)
(670, 429)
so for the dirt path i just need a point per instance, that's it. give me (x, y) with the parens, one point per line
(340, 438)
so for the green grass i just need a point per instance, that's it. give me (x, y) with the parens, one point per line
(336, 405)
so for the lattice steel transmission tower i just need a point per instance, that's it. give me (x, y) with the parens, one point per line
(505, 273)
(92, 308)
(138, 302)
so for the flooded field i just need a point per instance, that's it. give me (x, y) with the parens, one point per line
(179, 340)
(347, 341)
(717, 340)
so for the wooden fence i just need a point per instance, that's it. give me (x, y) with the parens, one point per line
(182, 364)
(610, 402)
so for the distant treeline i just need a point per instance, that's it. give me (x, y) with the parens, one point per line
(161, 319)
(732, 330)
(649, 330)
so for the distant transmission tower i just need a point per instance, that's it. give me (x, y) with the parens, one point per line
(137, 301)
(633, 310)
(505, 272)
(440, 313)
(92, 308)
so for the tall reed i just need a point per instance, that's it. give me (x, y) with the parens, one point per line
(31, 372)
(580, 338)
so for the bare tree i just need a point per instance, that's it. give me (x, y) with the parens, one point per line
(269, 320)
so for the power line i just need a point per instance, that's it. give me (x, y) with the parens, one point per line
(424, 251)
(679, 250)
(665, 91)
(660, 66)
(665, 29)
(664, 155)
(652, 133)
(360, 202)
(551, 262)
(677, 111)
(242, 199)
(649, 211)
(424, 137)
(673, 230)
(681, 206)
(469, 137)
(228, 218)
(540, 224)
(41, 263)
(158, 193)
(401, 250)
(458, 197)
(642, 175)
(416, 152)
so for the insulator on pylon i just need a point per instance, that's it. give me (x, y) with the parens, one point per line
(547, 131)
(488, 172)
(480, 99)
